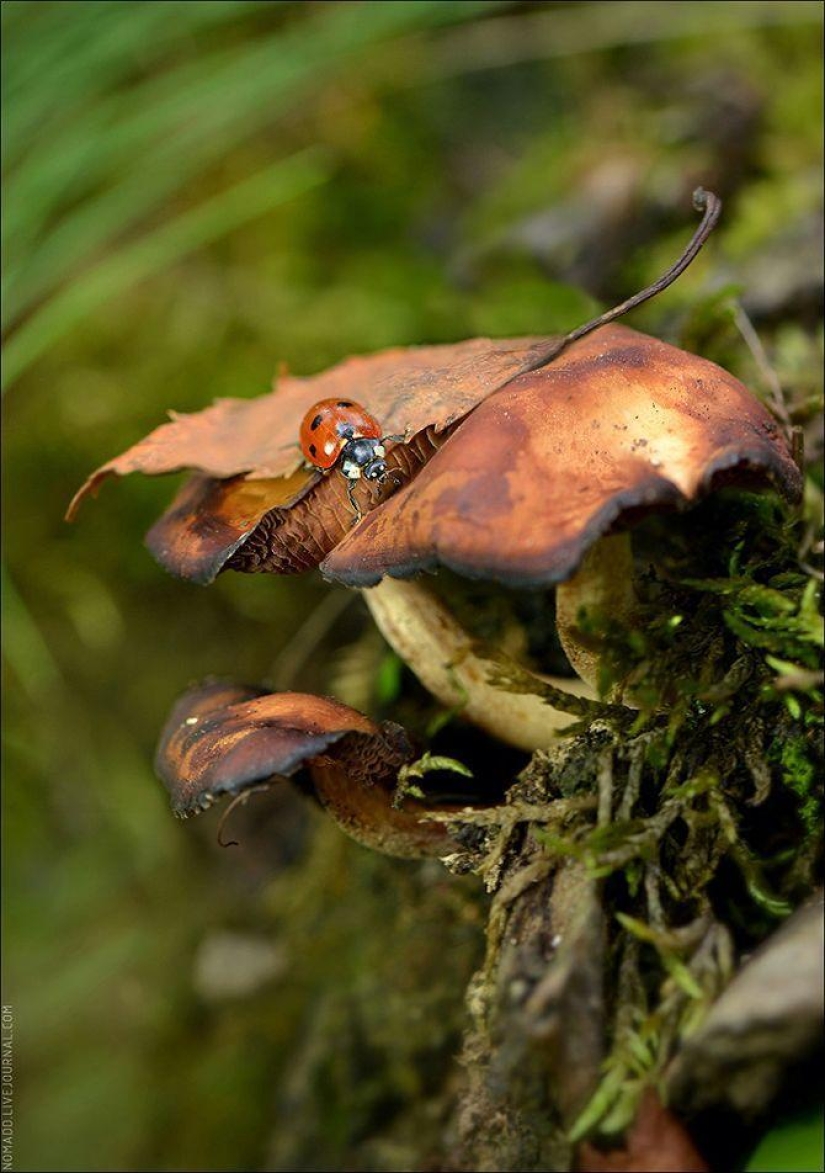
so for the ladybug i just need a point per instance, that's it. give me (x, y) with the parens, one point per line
(340, 430)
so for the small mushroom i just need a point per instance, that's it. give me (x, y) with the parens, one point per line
(222, 739)
(277, 525)
(656, 1142)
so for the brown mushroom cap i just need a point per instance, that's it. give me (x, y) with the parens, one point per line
(210, 520)
(619, 423)
(222, 739)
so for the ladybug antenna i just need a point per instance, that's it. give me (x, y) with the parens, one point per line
(392, 476)
(703, 201)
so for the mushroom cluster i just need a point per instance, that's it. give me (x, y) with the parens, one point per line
(512, 469)
(524, 468)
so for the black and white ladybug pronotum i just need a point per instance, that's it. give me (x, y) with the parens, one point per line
(339, 430)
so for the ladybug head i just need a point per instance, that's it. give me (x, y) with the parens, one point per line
(376, 469)
(363, 457)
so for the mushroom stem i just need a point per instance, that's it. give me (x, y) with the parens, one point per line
(445, 658)
(602, 586)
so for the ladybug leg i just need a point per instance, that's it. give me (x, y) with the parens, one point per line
(350, 489)
(395, 439)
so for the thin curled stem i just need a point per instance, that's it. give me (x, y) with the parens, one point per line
(239, 800)
(703, 201)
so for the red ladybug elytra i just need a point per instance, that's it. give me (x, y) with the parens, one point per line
(340, 429)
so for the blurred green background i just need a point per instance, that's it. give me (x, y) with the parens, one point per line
(194, 193)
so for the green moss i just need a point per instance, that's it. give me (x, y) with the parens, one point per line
(798, 771)
(701, 814)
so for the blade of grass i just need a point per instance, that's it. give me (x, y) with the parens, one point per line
(24, 646)
(89, 55)
(158, 249)
(215, 93)
(597, 26)
(166, 130)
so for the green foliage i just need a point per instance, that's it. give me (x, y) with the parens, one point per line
(796, 1146)
(798, 771)
(125, 150)
(428, 763)
(740, 670)
(388, 681)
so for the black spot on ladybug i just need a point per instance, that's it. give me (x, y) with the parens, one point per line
(316, 423)
(313, 450)
(345, 403)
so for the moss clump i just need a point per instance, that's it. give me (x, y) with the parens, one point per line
(699, 813)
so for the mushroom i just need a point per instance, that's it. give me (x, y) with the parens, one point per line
(540, 483)
(222, 739)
